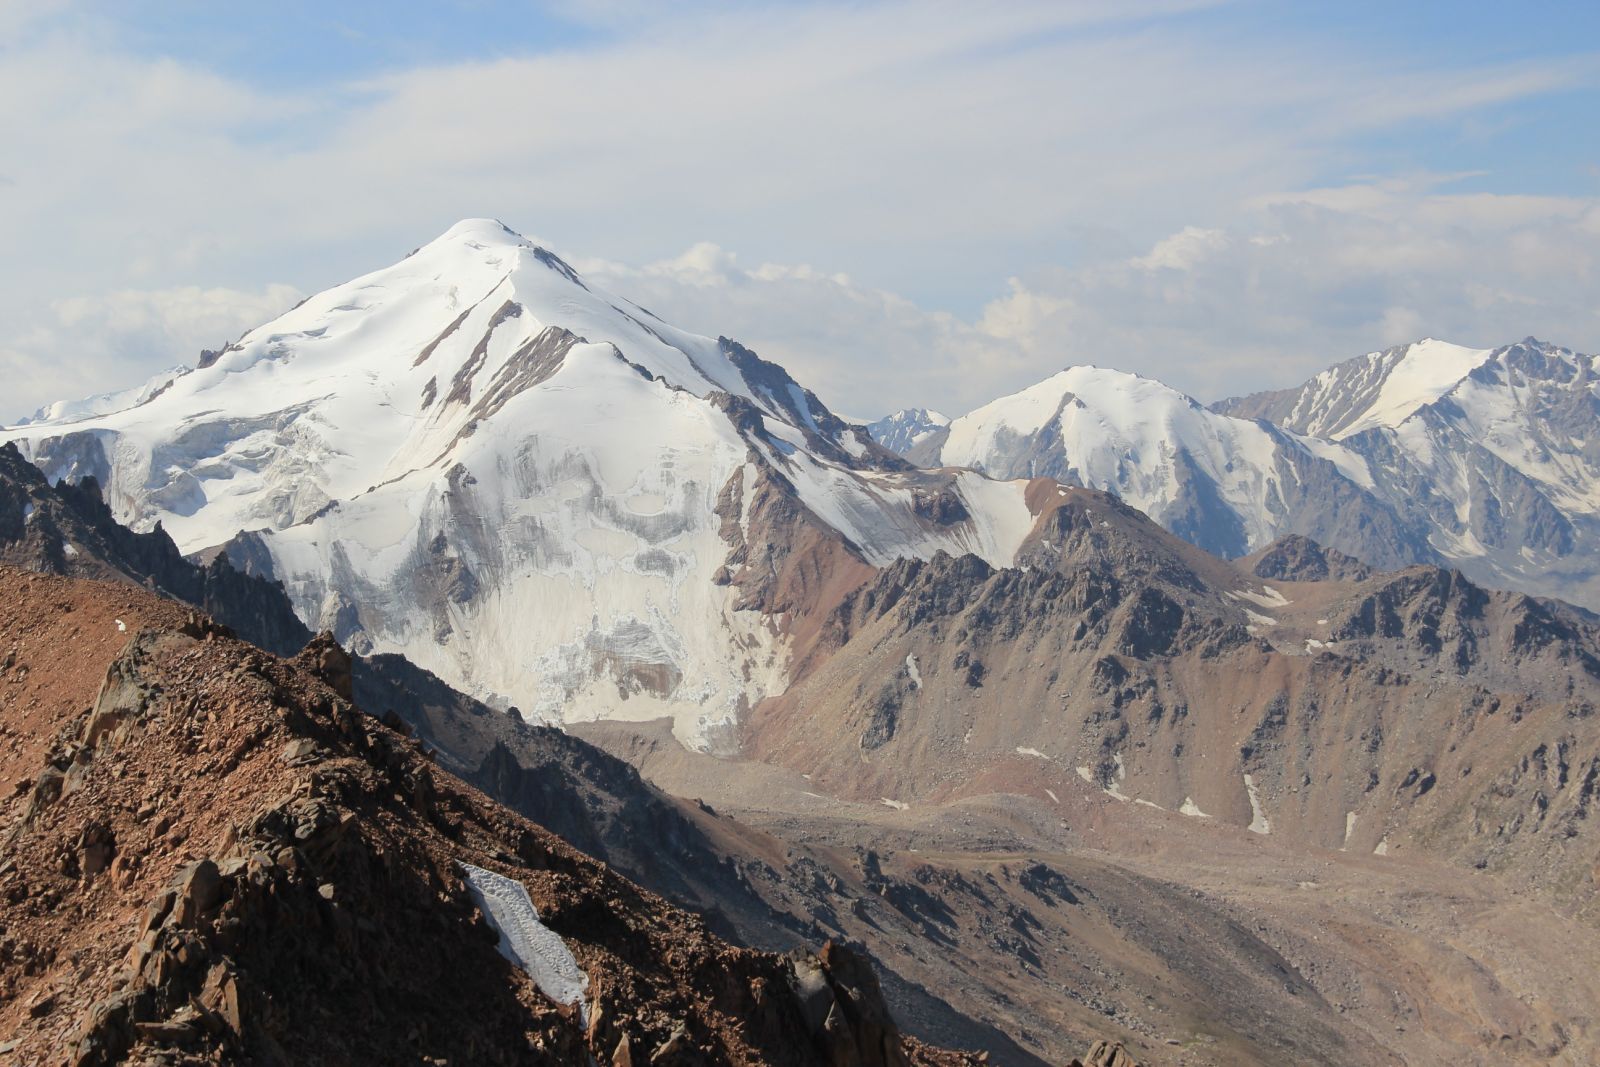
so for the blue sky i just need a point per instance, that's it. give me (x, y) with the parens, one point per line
(1549, 143)
(906, 202)
(298, 43)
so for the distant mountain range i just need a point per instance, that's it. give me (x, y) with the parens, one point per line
(1483, 459)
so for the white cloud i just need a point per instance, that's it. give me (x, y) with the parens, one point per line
(1183, 250)
(19, 15)
(1296, 284)
(181, 316)
(1305, 279)
(931, 149)
(857, 347)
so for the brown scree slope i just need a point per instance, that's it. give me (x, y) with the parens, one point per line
(215, 857)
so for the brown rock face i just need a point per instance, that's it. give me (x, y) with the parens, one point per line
(1300, 559)
(328, 660)
(313, 910)
(1106, 1054)
(1345, 710)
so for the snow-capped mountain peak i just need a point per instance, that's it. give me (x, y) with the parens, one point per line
(905, 431)
(1379, 389)
(1149, 443)
(534, 488)
(1428, 452)
(387, 373)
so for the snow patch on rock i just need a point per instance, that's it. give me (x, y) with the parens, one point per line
(524, 940)
(911, 670)
(1192, 809)
(1259, 823)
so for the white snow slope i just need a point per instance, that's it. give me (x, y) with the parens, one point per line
(104, 403)
(524, 940)
(476, 459)
(1152, 446)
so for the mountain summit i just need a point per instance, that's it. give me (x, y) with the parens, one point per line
(1487, 452)
(536, 489)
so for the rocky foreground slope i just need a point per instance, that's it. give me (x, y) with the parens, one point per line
(213, 855)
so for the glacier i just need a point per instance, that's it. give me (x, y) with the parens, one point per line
(477, 459)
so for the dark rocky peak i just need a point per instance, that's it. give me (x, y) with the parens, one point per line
(1412, 602)
(824, 431)
(1440, 617)
(1299, 559)
(921, 591)
(1082, 528)
(1096, 568)
(973, 604)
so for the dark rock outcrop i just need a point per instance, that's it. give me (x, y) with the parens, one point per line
(1300, 559)
(68, 529)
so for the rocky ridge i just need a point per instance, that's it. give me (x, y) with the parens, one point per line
(211, 793)
(1364, 711)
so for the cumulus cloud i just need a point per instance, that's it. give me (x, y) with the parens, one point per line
(1303, 279)
(859, 348)
(1296, 283)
